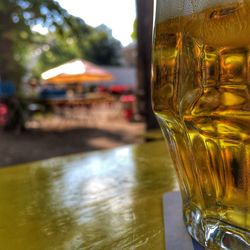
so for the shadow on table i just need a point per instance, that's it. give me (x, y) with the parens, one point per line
(36, 144)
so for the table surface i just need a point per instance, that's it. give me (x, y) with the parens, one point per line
(102, 200)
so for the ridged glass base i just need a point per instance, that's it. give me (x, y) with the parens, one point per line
(214, 234)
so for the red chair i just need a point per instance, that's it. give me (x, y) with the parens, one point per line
(3, 114)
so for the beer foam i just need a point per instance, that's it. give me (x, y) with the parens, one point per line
(166, 9)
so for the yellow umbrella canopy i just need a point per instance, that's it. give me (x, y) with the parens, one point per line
(76, 71)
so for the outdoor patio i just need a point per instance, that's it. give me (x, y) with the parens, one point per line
(57, 135)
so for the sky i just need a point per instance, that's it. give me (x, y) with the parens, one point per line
(118, 15)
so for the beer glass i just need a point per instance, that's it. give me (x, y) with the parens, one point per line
(201, 98)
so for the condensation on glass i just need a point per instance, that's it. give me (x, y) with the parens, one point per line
(200, 94)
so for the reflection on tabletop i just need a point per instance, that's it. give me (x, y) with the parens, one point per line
(103, 200)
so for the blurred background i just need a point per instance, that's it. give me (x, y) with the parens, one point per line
(74, 77)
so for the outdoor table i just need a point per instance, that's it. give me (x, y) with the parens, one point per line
(109, 199)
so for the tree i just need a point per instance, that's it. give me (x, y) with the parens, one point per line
(16, 20)
(55, 48)
(97, 46)
(52, 52)
(134, 33)
(101, 48)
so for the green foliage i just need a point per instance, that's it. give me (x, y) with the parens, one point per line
(101, 48)
(95, 45)
(134, 33)
(16, 20)
(68, 38)
(54, 51)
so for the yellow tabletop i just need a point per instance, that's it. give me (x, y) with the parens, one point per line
(103, 200)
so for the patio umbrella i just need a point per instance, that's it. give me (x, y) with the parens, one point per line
(76, 71)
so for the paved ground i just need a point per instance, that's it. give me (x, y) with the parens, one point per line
(56, 136)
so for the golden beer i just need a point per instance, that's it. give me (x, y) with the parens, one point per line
(201, 97)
